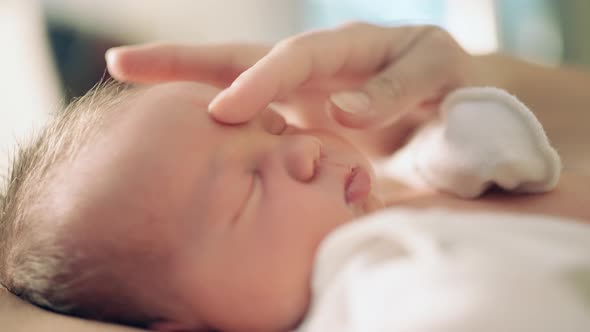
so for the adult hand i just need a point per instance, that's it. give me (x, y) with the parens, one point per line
(217, 64)
(401, 69)
(391, 71)
(371, 74)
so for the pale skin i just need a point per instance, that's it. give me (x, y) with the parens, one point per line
(224, 204)
(403, 70)
(222, 63)
(18, 316)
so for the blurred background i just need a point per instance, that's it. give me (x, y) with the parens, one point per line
(53, 50)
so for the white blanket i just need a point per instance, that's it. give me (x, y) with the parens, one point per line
(450, 271)
(442, 271)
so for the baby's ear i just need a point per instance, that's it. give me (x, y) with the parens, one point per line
(165, 326)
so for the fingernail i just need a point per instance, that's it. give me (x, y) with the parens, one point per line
(354, 102)
(277, 127)
(109, 55)
(214, 104)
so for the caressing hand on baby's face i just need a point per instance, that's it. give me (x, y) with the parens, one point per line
(237, 211)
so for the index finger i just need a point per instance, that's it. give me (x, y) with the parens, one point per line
(150, 63)
(356, 49)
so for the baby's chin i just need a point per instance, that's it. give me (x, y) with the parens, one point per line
(371, 204)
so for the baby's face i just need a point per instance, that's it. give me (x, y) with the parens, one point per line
(241, 210)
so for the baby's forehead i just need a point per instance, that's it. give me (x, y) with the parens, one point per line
(175, 103)
(182, 108)
(195, 93)
(163, 138)
(163, 142)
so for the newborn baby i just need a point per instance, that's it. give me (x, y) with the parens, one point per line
(135, 207)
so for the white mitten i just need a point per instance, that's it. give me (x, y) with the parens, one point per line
(484, 137)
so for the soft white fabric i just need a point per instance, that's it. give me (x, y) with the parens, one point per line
(484, 136)
(442, 271)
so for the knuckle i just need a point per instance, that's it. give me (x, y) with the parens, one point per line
(392, 88)
(163, 45)
(296, 43)
(436, 30)
(174, 63)
(452, 59)
(284, 44)
(355, 25)
(440, 37)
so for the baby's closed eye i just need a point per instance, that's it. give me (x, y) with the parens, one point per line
(251, 199)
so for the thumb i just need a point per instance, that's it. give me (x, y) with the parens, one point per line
(386, 97)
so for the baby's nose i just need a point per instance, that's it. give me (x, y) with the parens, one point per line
(301, 156)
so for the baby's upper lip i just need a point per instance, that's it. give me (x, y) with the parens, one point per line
(357, 185)
(356, 180)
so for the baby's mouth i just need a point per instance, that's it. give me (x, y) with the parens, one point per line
(357, 185)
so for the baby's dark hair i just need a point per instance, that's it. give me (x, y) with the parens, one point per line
(38, 262)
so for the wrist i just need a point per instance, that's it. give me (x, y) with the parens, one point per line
(493, 70)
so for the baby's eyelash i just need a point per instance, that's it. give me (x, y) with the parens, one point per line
(245, 203)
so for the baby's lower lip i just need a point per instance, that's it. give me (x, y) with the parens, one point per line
(357, 185)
